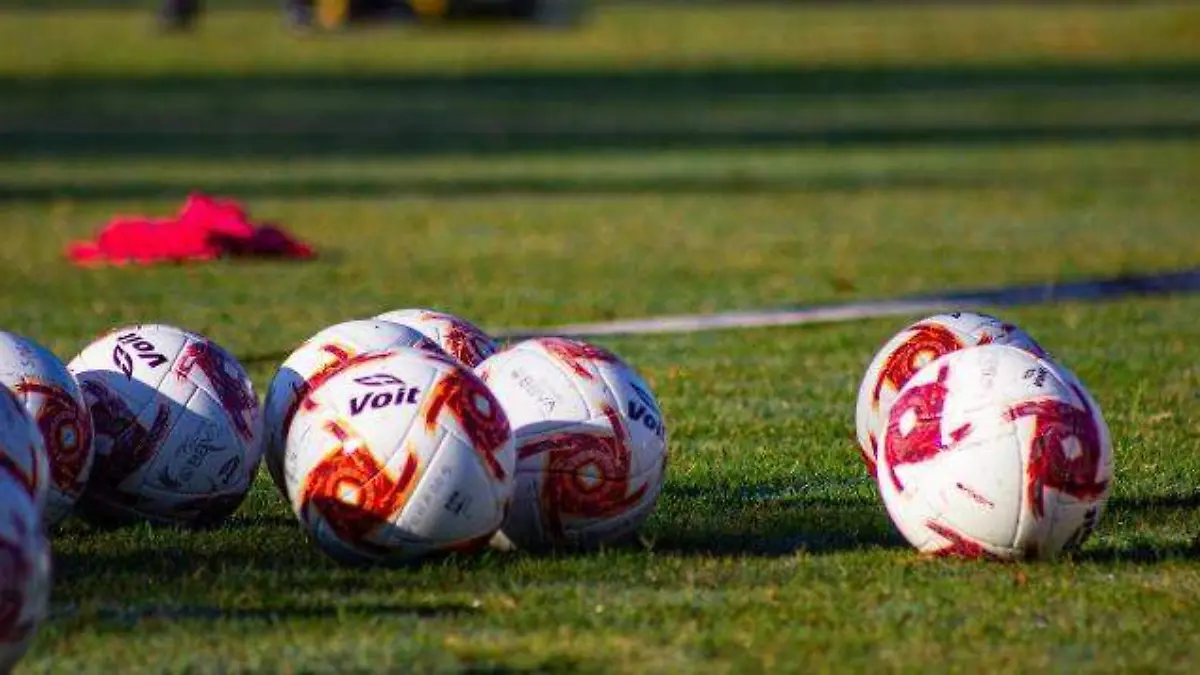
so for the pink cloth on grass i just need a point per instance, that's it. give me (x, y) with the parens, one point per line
(205, 229)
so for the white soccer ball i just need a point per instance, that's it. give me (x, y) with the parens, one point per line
(22, 451)
(400, 454)
(319, 357)
(24, 551)
(52, 397)
(912, 348)
(457, 337)
(177, 427)
(992, 451)
(591, 443)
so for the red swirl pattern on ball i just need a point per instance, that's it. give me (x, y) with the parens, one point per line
(352, 492)
(67, 431)
(573, 353)
(477, 410)
(925, 439)
(12, 413)
(28, 481)
(306, 388)
(957, 545)
(585, 476)
(928, 342)
(463, 340)
(233, 392)
(132, 444)
(869, 461)
(300, 391)
(1050, 464)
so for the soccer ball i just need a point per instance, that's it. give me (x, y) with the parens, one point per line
(398, 455)
(912, 348)
(24, 551)
(314, 361)
(53, 399)
(177, 427)
(992, 451)
(457, 337)
(591, 443)
(23, 452)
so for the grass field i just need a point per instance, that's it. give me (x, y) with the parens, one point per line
(659, 160)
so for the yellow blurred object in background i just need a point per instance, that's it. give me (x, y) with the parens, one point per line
(429, 9)
(332, 13)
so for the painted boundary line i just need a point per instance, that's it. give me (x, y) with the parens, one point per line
(1092, 290)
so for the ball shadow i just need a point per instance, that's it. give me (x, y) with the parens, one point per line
(130, 615)
(773, 518)
(1143, 550)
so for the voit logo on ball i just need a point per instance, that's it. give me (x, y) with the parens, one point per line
(386, 391)
(644, 411)
(142, 348)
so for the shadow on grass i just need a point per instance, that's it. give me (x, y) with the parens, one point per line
(784, 517)
(242, 523)
(1139, 506)
(772, 519)
(357, 115)
(135, 613)
(769, 519)
(1140, 553)
(1144, 550)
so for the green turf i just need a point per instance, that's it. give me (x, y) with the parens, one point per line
(659, 160)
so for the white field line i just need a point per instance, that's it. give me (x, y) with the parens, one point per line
(1089, 290)
(692, 323)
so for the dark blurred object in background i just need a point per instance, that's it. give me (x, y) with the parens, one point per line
(178, 14)
(333, 14)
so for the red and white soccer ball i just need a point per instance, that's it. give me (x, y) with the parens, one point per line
(994, 452)
(24, 551)
(398, 455)
(314, 361)
(52, 397)
(910, 349)
(591, 443)
(177, 427)
(457, 337)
